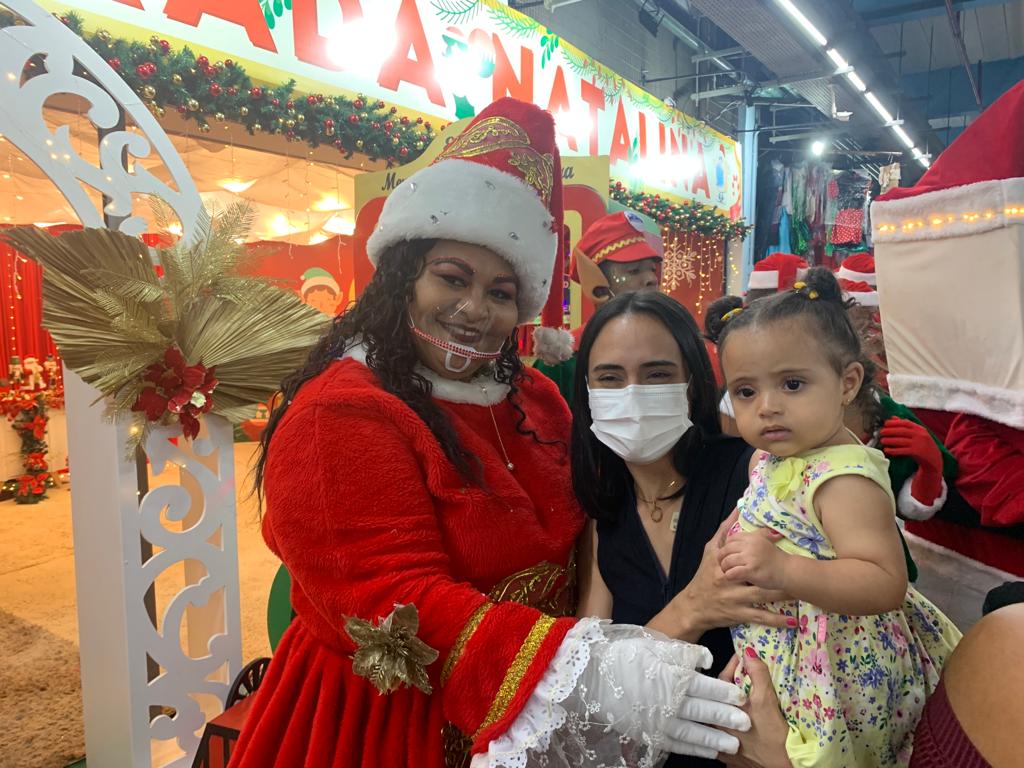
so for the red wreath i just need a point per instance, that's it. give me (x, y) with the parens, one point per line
(173, 386)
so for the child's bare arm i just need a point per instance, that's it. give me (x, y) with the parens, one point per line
(869, 575)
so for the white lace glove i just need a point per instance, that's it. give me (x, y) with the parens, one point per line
(649, 688)
(615, 695)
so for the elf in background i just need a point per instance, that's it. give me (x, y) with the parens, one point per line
(616, 255)
(320, 290)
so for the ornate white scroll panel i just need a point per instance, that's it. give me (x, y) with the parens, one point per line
(21, 121)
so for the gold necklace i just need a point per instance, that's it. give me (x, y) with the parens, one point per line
(490, 409)
(657, 513)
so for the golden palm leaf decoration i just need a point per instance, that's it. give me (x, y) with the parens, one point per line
(120, 326)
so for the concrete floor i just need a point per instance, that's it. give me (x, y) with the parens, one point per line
(40, 702)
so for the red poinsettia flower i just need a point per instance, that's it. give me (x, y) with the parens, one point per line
(151, 402)
(38, 427)
(36, 461)
(178, 388)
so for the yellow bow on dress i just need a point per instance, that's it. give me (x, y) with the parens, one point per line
(786, 477)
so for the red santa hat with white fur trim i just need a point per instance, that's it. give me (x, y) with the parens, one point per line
(498, 184)
(949, 253)
(777, 272)
(856, 277)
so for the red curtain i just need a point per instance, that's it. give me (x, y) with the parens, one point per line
(21, 305)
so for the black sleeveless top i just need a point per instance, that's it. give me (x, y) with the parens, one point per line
(631, 569)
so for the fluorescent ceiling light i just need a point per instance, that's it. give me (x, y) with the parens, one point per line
(877, 105)
(854, 78)
(837, 58)
(804, 22)
(924, 161)
(818, 148)
(907, 141)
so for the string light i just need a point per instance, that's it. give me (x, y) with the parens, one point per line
(937, 220)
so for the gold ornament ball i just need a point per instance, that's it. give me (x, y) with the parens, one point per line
(103, 36)
(154, 40)
(329, 131)
(359, 143)
(149, 91)
(176, 78)
(289, 123)
(192, 105)
(219, 116)
(192, 70)
(243, 111)
(257, 127)
(280, 121)
(160, 112)
(205, 128)
(395, 141)
(300, 118)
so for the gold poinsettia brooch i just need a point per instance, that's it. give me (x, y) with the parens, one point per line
(390, 654)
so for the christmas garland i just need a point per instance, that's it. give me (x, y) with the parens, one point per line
(27, 413)
(205, 92)
(679, 218)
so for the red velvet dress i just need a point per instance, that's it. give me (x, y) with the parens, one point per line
(366, 511)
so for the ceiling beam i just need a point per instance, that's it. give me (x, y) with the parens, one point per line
(896, 13)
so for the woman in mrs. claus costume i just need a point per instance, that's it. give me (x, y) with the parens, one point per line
(419, 473)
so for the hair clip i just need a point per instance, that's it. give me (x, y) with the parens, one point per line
(731, 314)
(801, 287)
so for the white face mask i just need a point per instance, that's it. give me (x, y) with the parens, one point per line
(641, 422)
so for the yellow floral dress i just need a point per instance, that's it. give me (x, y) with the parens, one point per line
(851, 687)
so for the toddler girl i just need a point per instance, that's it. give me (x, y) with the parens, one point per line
(853, 674)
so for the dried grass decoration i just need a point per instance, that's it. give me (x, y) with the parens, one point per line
(200, 338)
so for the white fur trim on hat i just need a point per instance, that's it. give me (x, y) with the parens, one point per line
(997, 404)
(864, 298)
(857, 277)
(552, 345)
(764, 280)
(953, 212)
(477, 204)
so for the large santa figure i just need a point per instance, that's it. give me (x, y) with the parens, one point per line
(949, 255)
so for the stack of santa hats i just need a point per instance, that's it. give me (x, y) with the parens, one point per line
(856, 276)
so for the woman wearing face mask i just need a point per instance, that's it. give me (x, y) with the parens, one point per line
(417, 487)
(656, 476)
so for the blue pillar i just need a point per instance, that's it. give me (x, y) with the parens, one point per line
(748, 124)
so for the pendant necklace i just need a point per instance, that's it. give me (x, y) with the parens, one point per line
(490, 409)
(656, 511)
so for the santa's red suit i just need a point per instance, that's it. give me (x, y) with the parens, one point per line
(367, 511)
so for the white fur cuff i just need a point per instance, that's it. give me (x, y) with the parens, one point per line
(912, 509)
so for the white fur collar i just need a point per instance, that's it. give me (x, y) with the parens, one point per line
(483, 390)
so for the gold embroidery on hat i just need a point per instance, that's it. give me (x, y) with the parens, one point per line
(617, 245)
(538, 170)
(489, 135)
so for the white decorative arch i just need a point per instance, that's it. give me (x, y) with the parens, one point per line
(190, 520)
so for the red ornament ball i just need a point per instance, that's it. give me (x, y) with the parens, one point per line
(289, 104)
(388, 125)
(214, 89)
(311, 100)
(394, 110)
(404, 151)
(290, 135)
(144, 71)
(203, 62)
(232, 91)
(229, 63)
(419, 121)
(182, 109)
(404, 120)
(275, 102)
(338, 144)
(165, 47)
(376, 125)
(255, 93)
(427, 125)
(380, 105)
(319, 98)
(358, 104)
(328, 123)
(353, 118)
(115, 63)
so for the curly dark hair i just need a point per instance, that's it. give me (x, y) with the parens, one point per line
(380, 321)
